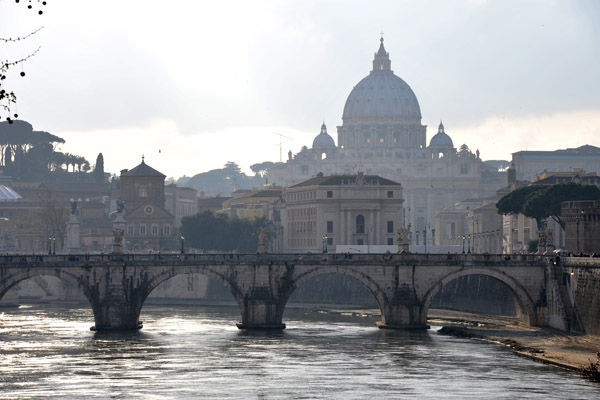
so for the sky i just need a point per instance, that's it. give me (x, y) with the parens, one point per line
(192, 85)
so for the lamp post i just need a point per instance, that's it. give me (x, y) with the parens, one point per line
(53, 244)
(577, 223)
(324, 243)
(182, 243)
(433, 237)
(463, 240)
(469, 243)
(425, 239)
(49, 244)
(417, 233)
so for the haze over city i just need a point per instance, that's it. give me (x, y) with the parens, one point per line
(193, 85)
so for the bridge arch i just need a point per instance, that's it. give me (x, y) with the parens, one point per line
(207, 271)
(525, 304)
(18, 275)
(310, 272)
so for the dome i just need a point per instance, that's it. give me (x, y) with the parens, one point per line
(441, 139)
(323, 139)
(381, 93)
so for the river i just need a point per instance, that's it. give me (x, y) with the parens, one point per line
(188, 352)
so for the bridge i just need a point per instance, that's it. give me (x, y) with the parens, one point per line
(116, 285)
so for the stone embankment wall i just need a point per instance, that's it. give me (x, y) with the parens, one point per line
(583, 279)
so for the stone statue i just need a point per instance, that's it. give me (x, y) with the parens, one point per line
(403, 239)
(261, 240)
(542, 240)
(549, 241)
(73, 207)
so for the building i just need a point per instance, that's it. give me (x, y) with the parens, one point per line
(252, 204)
(149, 225)
(382, 134)
(338, 210)
(582, 226)
(181, 202)
(529, 164)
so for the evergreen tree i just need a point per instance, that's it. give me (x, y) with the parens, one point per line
(99, 168)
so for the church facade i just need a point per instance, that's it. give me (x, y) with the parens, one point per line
(382, 134)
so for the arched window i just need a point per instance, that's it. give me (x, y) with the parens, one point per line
(360, 224)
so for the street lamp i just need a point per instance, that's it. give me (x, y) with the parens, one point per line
(49, 244)
(425, 239)
(53, 244)
(417, 233)
(463, 240)
(324, 243)
(469, 243)
(182, 243)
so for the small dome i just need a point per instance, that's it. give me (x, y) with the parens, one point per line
(441, 139)
(323, 139)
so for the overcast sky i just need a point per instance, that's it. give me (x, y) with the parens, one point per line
(194, 84)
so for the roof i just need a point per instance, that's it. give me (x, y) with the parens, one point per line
(212, 202)
(8, 194)
(335, 180)
(142, 170)
(582, 151)
(441, 139)
(323, 139)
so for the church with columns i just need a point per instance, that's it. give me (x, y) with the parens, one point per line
(382, 134)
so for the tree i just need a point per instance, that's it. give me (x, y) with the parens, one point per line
(261, 168)
(513, 202)
(51, 219)
(210, 231)
(99, 168)
(547, 203)
(543, 201)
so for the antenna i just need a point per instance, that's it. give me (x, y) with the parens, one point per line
(281, 142)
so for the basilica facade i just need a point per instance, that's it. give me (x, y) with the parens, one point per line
(382, 134)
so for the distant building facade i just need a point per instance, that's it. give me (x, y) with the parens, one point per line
(529, 164)
(149, 225)
(327, 211)
(181, 202)
(382, 134)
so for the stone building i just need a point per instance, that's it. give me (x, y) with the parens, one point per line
(529, 164)
(181, 201)
(337, 210)
(382, 134)
(582, 226)
(149, 225)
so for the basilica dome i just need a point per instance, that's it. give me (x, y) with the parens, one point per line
(381, 94)
(323, 139)
(441, 139)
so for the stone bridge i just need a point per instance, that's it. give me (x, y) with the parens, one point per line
(404, 285)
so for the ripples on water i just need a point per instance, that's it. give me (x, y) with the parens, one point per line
(197, 352)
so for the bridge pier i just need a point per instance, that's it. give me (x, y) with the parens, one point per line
(114, 317)
(403, 316)
(260, 314)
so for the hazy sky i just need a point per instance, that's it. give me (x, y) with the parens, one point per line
(194, 84)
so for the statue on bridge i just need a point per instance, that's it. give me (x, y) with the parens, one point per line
(117, 246)
(403, 239)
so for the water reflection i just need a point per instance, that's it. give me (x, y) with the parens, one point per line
(192, 352)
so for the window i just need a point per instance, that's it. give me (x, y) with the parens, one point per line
(142, 229)
(330, 241)
(167, 229)
(329, 194)
(360, 224)
(155, 229)
(464, 169)
(390, 194)
(360, 242)
(390, 227)
(329, 226)
(130, 229)
(390, 241)
(143, 192)
(304, 170)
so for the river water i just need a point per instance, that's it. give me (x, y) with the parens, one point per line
(187, 352)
